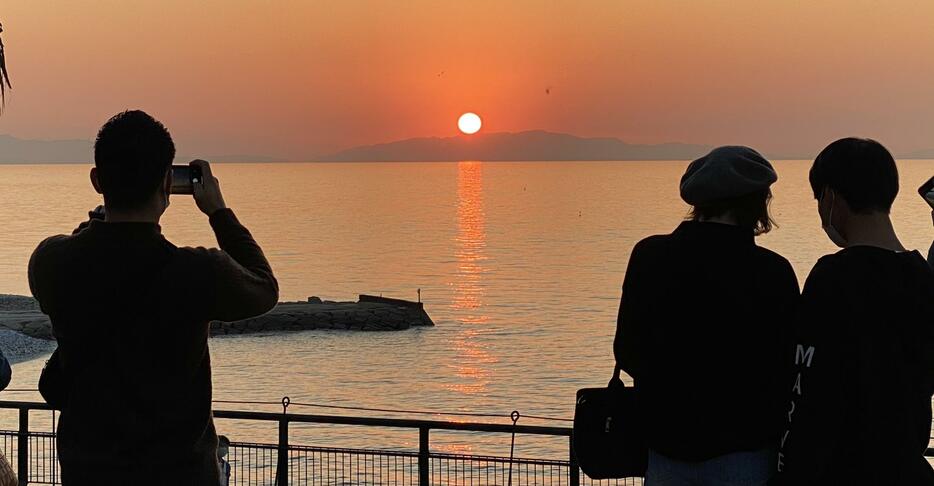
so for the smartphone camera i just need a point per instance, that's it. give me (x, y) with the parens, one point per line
(927, 191)
(184, 178)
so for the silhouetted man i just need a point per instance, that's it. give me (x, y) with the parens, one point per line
(859, 408)
(130, 311)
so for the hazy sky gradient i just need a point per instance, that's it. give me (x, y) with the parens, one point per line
(295, 79)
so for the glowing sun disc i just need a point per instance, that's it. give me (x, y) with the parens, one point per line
(469, 123)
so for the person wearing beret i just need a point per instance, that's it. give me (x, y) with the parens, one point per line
(703, 329)
(858, 402)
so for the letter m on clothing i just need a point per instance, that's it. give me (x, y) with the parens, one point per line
(803, 355)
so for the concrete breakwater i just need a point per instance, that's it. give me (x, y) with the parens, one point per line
(369, 313)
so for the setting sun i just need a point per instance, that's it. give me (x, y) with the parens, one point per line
(469, 123)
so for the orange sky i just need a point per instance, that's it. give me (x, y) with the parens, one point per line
(295, 79)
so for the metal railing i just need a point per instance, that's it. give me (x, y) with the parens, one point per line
(33, 455)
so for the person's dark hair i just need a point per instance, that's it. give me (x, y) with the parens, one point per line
(751, 211)
(859, 170)
(132, 154)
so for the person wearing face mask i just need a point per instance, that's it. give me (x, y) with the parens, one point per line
(931, 249)
(862, 366)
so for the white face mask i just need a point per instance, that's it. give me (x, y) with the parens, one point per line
(166, 195)
(827, 224)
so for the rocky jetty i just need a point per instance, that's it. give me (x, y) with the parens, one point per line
(21, 314)
(18, 347)
(369, 313)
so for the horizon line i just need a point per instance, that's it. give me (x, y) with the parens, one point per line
(326, 157)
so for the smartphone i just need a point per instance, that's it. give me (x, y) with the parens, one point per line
(184, 178)
(927, 191)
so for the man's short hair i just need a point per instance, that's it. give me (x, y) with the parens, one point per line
(132, 154)
(860, 170)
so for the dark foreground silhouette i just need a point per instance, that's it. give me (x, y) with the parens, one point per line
(130, 312)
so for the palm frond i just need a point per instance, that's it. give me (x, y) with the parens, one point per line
(4, 75)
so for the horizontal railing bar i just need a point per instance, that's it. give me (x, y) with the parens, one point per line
(394, 452)
(287, 456)
(499, 459)
(391, 422)
(346, 450)
(32, 433)
(335, 450)
(14, 404)
(254, 445)
(371, 452)
(350, 420)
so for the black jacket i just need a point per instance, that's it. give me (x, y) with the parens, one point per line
(130, 311)
(858, 407)
(702, 327)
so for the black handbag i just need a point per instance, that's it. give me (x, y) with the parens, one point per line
(608, 439)
(53, 385)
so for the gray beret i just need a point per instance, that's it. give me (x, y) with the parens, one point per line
(725, 173)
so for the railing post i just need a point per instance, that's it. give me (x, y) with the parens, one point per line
(423, 458)
(573, 468)
(22, 455)
(282, 467)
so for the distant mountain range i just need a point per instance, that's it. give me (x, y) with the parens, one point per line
(19, 151)
(530, 145)
(920, 154)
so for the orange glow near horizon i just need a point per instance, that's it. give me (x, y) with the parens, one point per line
(294, 79)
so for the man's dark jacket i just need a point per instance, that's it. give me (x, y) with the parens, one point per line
(131, 314)
(858, 400)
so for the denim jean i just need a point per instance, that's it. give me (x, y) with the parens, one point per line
(737, 469)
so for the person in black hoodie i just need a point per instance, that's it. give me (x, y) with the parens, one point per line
(701, 329)
(859, 403)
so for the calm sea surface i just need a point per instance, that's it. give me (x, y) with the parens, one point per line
(519, 264)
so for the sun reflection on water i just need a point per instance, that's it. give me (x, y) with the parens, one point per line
(472, 359)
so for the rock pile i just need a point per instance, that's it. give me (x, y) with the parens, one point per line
(350, 316)
(370, 313)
